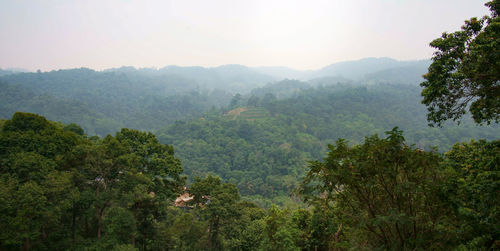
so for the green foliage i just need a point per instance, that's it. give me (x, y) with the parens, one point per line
(217, 204)
(148, 157)
(15, 98)
(465, 72)
(387, 194)
(263, 150)
(104, 102)
(257, 156)
(124, 247)
(473, 189)
(183, 232)
(26, 122)
(119, 225)
(253, 101)
(235, 101)
(341, 111)
(37, 186)
(74, 128)
(60, 190)
(281, 235)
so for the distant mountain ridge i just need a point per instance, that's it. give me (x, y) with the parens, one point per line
(241, 78)
(10, 71)
(357, 70)
(146, 98)
(353, 69)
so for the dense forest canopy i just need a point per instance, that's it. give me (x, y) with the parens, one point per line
(260, 139)
(61, 189)
(257, 158)
(263, 148)
(104, 102)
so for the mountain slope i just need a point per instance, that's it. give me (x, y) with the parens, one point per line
(265, 155)
(132, 100)
(357, 69)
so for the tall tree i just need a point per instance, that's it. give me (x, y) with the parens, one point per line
(465, 72)
(37, 188)
(473, 190)
(387, 193)
(217, 204)
(132, 171)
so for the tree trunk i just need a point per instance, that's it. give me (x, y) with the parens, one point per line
(135, 221)
(99, 223)
(73, 227)
(26, 244)
(214, 234)
(100, 214)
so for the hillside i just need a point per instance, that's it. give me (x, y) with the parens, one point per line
(264, 149)
(260, 140)
(149, 99)
(108, 101)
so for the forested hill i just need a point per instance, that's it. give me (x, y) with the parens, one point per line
(369, 154)
(259, 140)
(11, 71)
(104, 102)
(263, 143)
(63, 190)
(358, 69)
(232, 78)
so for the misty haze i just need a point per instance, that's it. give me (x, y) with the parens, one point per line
(249, 125)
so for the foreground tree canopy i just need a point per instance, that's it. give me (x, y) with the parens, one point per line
(60, 190)
(465, 72)
(386, 195)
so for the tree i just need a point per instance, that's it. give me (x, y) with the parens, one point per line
(217, 204)
(465, 72)
(234, 101)
(61, 190)
(103, 169)
(148, 157)
(134, 171)
(280, 233)
(473, 191)
(36, 189)
(386, 194)
(74, 128)
(253, 101)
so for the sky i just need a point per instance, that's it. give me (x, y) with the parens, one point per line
(304, 35)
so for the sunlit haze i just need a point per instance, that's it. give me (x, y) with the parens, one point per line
(56, 34)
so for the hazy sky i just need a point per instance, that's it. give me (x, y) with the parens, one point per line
(308, 34)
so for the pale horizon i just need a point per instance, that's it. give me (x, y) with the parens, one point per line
(56, 34)
(19, 69)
